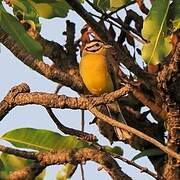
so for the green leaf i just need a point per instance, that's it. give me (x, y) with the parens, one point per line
(1, 165)
(44, 1)
(148, 152)
(53, 9)
(17, 32)
(155, 31)
(13, 163)
(42, 8)
(3, 173)
(115, 149)
(175, 14)
(102, 4)
(66, 172)
(115, 4)
(29, 12)
(42, 140)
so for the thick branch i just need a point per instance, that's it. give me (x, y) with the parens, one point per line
(84, 154)
(52, 49)
(28, 173)
(62, 101)
(23, 97)
(50, 72)
(75, 156)
(168, 76)
(57, 101)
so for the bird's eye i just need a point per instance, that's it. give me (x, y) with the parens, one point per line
(97, 45)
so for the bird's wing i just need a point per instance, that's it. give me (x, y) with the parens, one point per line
(112, 69)
(120, 133)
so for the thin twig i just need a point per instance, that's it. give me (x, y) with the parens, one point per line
(82, 129)
(118, 156)
(82, 120)
(82, 172)
(141, 168)
(136, 132)
(17, 152)
(71, 131)
(124, 26)
(59, 86)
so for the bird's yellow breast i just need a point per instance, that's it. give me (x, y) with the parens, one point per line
(95, 75)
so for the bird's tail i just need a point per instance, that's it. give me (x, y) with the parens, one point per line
(120, 133)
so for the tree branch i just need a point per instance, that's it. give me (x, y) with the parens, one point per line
(17, 152)
(52, 50)
(124, 27)
(65, 60)
(82, 135)
(23, 97)
(75, 4)
(74, 156)
(167, 77)
(133, 131)
(141, 168)
(50, 72)
(122, 57)
(159, 111)
(28, 173)
(53, 100)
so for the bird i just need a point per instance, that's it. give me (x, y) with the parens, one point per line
(98, 75)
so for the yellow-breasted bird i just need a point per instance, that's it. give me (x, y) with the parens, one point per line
(98, 76)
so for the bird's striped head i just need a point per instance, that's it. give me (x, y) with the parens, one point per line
(95, 46)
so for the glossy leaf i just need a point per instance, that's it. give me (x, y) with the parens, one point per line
(51, 9)
(17, 32)
(148, 152)
(155, 31)
(13, 163)
(42, 140)
(66, 172)
(115, 4)
(42, 8)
